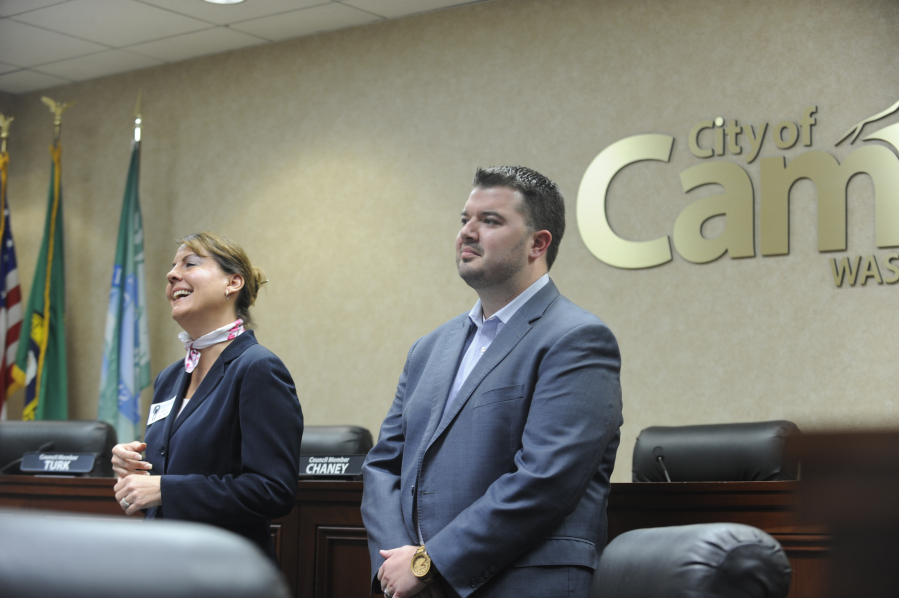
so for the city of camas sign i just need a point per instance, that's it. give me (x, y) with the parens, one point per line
(736, 203)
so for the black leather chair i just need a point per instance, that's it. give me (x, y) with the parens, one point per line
(74, 436)
(44, 554)
(715, 453)
(710, 560)
(336, 440)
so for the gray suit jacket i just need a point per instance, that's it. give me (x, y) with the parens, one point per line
(517, 474)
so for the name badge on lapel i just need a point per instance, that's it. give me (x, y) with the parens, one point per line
(159, 411)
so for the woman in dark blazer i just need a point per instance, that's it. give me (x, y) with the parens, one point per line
(224, 430)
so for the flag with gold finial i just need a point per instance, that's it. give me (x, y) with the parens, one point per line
(41, 361)
(10, 291)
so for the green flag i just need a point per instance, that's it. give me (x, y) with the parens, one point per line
(126, 352)
(41, 361)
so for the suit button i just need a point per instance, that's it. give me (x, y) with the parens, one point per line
(162, 451)
(492, 569)
(473, 583)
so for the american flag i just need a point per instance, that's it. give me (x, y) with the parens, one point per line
(10, 296)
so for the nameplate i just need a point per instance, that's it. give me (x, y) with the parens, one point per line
(57, 463)
(331, 465)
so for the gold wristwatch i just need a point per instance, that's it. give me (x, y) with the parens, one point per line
(421, 565)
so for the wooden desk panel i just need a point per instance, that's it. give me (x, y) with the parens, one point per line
(322, 543)
(92, 496)
(333, 546)
(769, 506)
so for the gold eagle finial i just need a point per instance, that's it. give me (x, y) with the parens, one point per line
(4, 125)
(57, 108)
(4, 130)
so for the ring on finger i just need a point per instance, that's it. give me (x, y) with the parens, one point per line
(125, 504)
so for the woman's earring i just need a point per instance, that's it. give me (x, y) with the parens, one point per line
(227, 296)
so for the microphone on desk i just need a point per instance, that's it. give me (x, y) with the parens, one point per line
(47, 446)
(659, 454)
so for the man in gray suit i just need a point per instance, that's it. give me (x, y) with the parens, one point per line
(491, 473)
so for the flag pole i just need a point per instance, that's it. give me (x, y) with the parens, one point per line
(4, 158)
(4, 131)
(57, 108)
(42, 343)
(4, 163)
(10, 292)
(126, 343)
(137, 119)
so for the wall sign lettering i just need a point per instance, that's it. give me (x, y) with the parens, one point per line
(776, 178)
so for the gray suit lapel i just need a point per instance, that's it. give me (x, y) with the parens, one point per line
(511, 334)
(446, 367)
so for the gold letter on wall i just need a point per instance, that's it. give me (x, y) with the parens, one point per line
(831, 179)
(592, 222)
(735, 204)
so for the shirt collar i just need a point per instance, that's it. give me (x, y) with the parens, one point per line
(476, 315)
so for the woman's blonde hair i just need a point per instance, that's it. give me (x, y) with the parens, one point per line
(233, 260)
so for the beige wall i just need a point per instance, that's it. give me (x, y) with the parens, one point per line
(341, 162)
(6, 102)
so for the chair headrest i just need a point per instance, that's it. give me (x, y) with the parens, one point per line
(709, 560)
(336, 440)
(83, 558)
(715, 453)
(75, 436)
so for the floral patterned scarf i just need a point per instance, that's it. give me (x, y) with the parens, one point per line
(225, 333)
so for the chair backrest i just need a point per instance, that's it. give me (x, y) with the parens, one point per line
(44, 554)
(75, 436)
(336, 440)
(715, 453)
(710, 560)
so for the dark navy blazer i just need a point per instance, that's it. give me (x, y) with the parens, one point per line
(516, 475)
(231, 458)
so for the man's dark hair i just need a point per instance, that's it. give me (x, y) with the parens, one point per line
(543, 207)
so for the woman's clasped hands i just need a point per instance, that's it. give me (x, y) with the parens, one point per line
(135, 489)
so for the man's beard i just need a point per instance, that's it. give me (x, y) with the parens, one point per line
(494, 272)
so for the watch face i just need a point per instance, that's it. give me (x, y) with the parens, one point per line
(420, 565)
